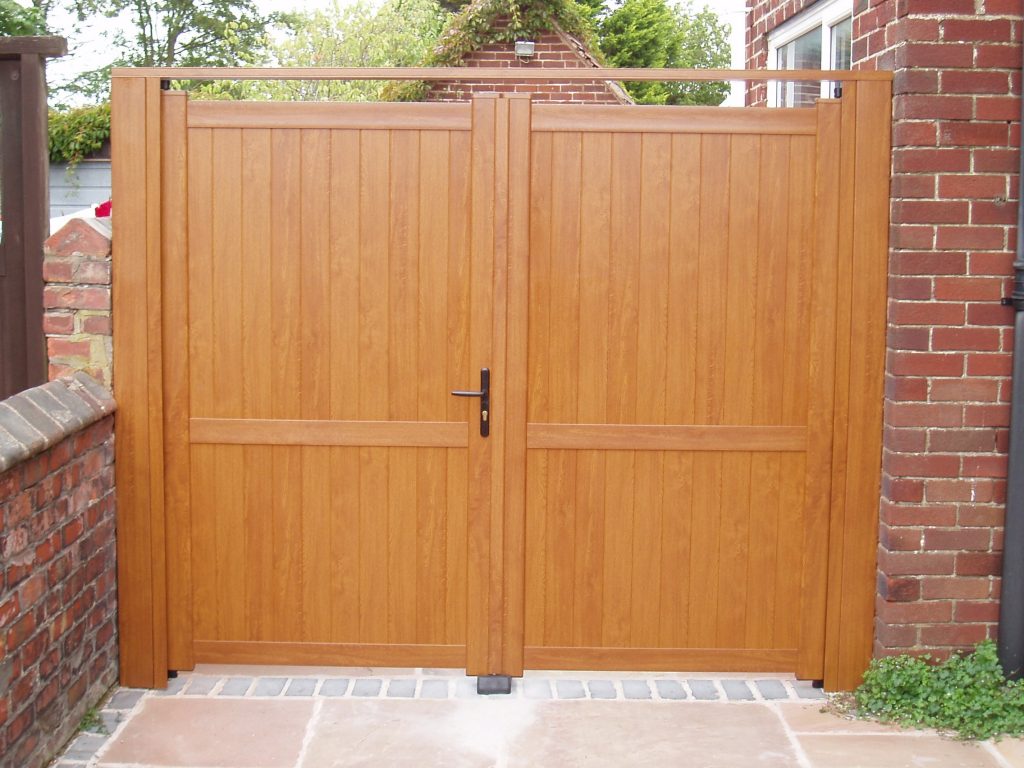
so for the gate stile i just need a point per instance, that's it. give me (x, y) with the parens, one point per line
(296, 484)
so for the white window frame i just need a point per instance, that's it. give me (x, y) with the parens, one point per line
(823, 15)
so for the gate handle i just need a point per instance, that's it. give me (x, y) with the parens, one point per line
(484, 393)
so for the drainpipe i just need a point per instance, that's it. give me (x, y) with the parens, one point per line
(1011, 604)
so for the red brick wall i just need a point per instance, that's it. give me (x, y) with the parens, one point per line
(764, 16)
(954, 200)
(552, 51)
(954, 197)
(76, 269)
(58, 645)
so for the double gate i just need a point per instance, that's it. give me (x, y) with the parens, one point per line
(677, 316)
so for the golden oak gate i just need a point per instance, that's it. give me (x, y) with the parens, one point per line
(667, 324)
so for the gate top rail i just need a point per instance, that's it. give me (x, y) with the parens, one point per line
(493, 73)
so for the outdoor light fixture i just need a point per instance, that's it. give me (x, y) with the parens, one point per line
(524, 48)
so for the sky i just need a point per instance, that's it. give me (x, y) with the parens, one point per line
(88, 48)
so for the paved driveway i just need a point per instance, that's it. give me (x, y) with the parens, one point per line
(237, 717)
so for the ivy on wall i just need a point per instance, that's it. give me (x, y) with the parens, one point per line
(78, 133)
(477, 24)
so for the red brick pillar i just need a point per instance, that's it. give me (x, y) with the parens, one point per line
(954, 199)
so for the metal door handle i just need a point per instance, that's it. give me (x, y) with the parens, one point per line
(484, 393)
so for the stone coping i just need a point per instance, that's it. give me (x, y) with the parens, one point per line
(38, 418)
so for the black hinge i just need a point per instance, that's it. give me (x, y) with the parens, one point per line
(165, 85)
(837, 91)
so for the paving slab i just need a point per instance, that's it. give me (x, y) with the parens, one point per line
(894, 751)
(611, 734)
(226, 733)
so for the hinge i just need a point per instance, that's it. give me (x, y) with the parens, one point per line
(837, 91)
(165, 85)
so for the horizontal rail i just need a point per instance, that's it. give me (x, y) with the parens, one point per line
(389, 434)
(519, 74)
(648, 119)
(321, 114)
(665, 437)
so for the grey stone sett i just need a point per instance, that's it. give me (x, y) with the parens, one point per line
(84, 746)
(670, 689)
(570, 689)
(201, 686)
(404, 689)
(110, 720)
(235, 686)
(434, 689)
(636, 689)
(602, 689)
(808, 691)
(737, 690)
(336, 686)
(772, 690)
(126, 698)
(703, 690)
(269, 686)
(174, 685)
(366, 688)
(537, 689)
(302, 686)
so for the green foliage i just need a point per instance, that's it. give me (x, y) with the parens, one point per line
(398, 34)
(78, 133)
(16, 19)
(654, 33)
(180, 33)
(91, 722)
(477, 25)
(967, 694)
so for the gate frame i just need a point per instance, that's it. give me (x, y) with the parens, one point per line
(143, 390)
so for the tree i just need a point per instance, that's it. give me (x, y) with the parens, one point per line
(16, 19)
(653, 33)
(399, 34)
(181, 33)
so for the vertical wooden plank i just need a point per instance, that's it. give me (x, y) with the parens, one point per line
(374, 380)
(681, 370)
(142, 662)
(287, 614)
(821, 379)
(229, 511)
(345, 257)
(481, 456)
(432, 384)
(201, 341)
(459, 374)
(709, 386)
(176, 382)
(595, 203)
(563, 347)
(841, 418)
(654, 204)
(867, 367)
(257, 363)
(515, 384)
(315, 382)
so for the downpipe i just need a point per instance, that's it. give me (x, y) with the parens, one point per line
(1011, 603)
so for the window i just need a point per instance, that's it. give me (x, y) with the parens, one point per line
(818, 38)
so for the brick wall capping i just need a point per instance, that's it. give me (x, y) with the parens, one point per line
(491, 73)
(39, 418)
(80, 237)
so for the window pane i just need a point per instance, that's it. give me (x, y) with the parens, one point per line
(842, 34)
(802, 53)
